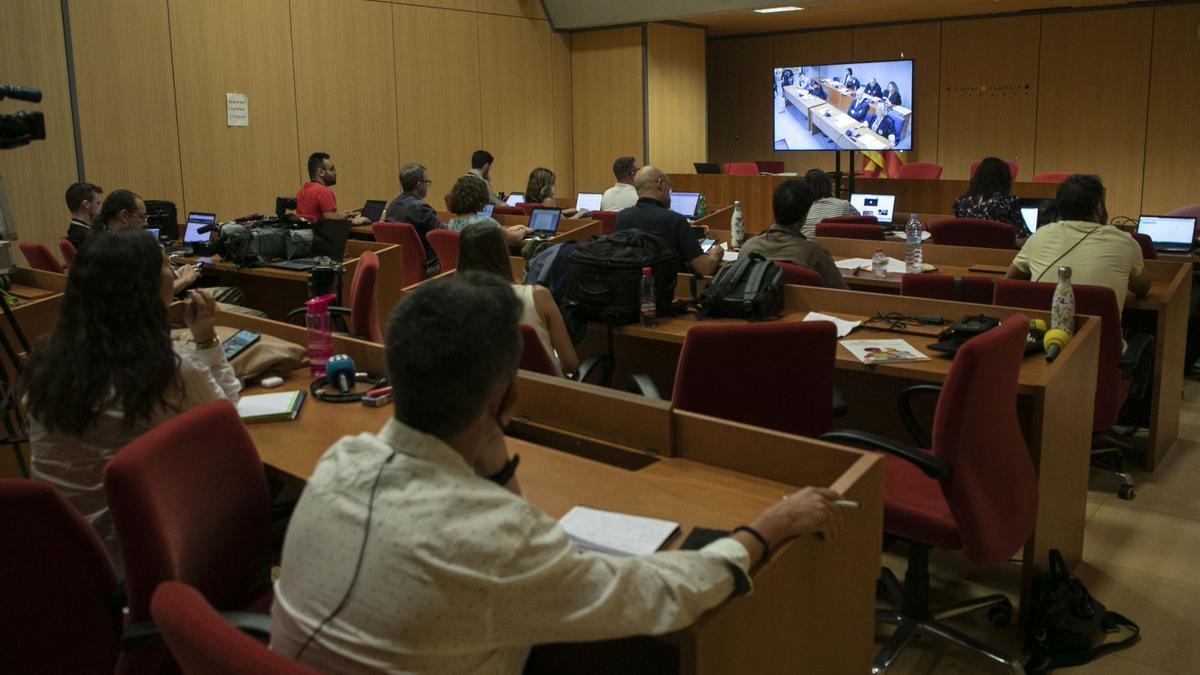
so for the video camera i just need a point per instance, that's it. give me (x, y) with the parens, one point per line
(24, 127)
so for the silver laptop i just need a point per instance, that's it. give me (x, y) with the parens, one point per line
(1169, 233)
(684, 203)
(588, 200)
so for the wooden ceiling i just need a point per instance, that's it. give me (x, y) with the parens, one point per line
(828, 13)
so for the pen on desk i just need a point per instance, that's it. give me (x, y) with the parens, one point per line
(846, 503)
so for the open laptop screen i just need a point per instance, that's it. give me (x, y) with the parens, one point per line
(486, 211)
(1030, 216)
(515, 199)
(1168, 230)
(544, 221)
(880, 206)
(684, 203)
(196, 221)
(588, 200)
(373, 210)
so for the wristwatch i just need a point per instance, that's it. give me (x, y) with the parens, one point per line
(208, 343)
(506, 473)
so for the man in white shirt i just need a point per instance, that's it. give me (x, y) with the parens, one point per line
(462, 574)
(622, 195)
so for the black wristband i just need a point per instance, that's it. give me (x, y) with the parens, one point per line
(761, 539)
(506, 473)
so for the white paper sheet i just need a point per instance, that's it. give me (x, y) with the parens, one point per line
(844, 326)
(616, 533)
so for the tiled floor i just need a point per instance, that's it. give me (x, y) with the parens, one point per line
(1141, 558)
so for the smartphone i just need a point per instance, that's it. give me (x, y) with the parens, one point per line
(707, 244)
(239, 342)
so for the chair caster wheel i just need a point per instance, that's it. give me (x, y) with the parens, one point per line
(1126, 492)
(1001, 615)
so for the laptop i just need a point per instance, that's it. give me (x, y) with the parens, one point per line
(154, 232)
(373, 210)
(1037, 211)
(1030, 216)
(1169, 233)
(196, 222)
(684, 203)
(543, 223)
(486, 211)
(515, 199)
(588, 200)
(707, 167)
(329, 241)
(883, 207)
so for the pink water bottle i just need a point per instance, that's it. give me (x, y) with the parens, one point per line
(320, 333)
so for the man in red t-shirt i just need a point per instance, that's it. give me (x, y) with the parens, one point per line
(315, 201)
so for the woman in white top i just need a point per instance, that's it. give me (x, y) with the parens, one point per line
(826, 205)
(481, 248)
(109, 372)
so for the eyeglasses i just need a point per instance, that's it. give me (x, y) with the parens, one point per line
(425, 181)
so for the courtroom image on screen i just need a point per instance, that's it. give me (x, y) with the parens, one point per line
(844, 106)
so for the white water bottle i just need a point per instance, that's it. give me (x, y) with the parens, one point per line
(1062, 307)
(737, 226)
(879, 263)
(912, 244)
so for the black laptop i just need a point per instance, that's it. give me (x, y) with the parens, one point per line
(707, 167)
(329, 241)
(373, 210)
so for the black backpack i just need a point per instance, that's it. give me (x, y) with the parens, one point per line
(604, 277)
(751, 288)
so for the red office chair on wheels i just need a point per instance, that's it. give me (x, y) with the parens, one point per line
(411, 248)
(608, 220)
(948, 287)
(868, 231)
(741, 168)
(67, 249)
(973, 490)
(360, 319)
(921, 171)
(1051, 177)
(445, 244)
(797, 275)
(533, 354)
(973, 232)
(40, 257)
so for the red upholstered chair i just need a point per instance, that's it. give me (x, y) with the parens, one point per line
(974, 489)
(56, 598)
(1192, 211)
(771, 166)
(189, 501)
(608, 220)
(1052, 177)
(412, 250)
(1146, 244)
(40, 257)
(773, 389)
(850, 230)
(534, 356)
(527, 207)
(973, 232)
(445, 245)
(67, 249)
(364, 323)
(869, 220)
(741, 168)
(506, 210)
(1012, 167)
(920, 170)
(797, 275)
(948, 287)
(202, 641)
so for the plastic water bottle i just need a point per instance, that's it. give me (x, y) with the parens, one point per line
(912, 244)
(649, 299)
(737, 226)
(879, 263)
(320, 333)
(1062, 307)
(701, 206)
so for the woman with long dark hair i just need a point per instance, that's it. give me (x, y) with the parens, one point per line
(481, 248)
(826, 204)
(541, 189)
(109, 371)
(990, 196)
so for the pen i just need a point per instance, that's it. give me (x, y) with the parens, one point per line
(846, 503)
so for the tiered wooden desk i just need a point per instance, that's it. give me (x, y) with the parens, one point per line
(582, 229)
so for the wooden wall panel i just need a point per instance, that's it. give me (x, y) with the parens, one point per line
(127, 146)
(1172, 173)
(346, 95)
(989, 90)
(815, 48)
(678, 120)
(564, 141)
(437, 128)
(739, 103)
(222, 46)
(923, 44)
(33, 54)
(606, 85)
(466, 5)
(1107, 136)
(530, 9)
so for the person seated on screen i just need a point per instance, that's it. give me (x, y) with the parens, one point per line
(481, 248)
(468, 196)
(540, 190)
(652, 214)
(314, 200)
(989, 196)
(462, 574)
(850, 80)
(815, 88)
(1098, 254)
(826, 205)
(860, 107)
(785, 240)
(802, 79)
(109, 370)
(873, 88)
(83, 201)
(892, 94)
(410, 207)
(882, 123)
(621, 195)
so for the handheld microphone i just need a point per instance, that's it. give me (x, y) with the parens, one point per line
(341, 372)
(1054, 341)
(20, 93)
(205, 229)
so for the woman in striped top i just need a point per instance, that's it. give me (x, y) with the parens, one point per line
(826, 206)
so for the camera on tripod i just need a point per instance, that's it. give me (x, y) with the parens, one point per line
(24, 127)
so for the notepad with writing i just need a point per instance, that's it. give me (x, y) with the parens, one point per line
(284, 405)
(616, 533)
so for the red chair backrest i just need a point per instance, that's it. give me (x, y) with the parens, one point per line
(608, 220)
(741, 168)
(67, 249)
(445, 245)
(1052, 177)
(771, 166)
(800, 276)
(1090, 300)
(189, 500)
(506, 210)
(1147, 245)
(920, 170)
(992, 487)
(55, 597)
(866, 220)
(750, 373)
(40, 257)
(973, 232)
(850, 230)
(363, 320)
(533, 354)
(948, 287)
(1192, 210)
(202, 641)
(412, 250)
(527, 207)
(1013, 168)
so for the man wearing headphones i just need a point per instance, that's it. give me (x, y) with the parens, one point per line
(412, 549)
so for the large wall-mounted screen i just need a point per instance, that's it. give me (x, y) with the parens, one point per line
(844, 106)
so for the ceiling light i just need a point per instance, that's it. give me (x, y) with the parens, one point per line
(773, 10)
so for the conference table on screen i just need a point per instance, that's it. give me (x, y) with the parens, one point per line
(834, 122)
(587, 445)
